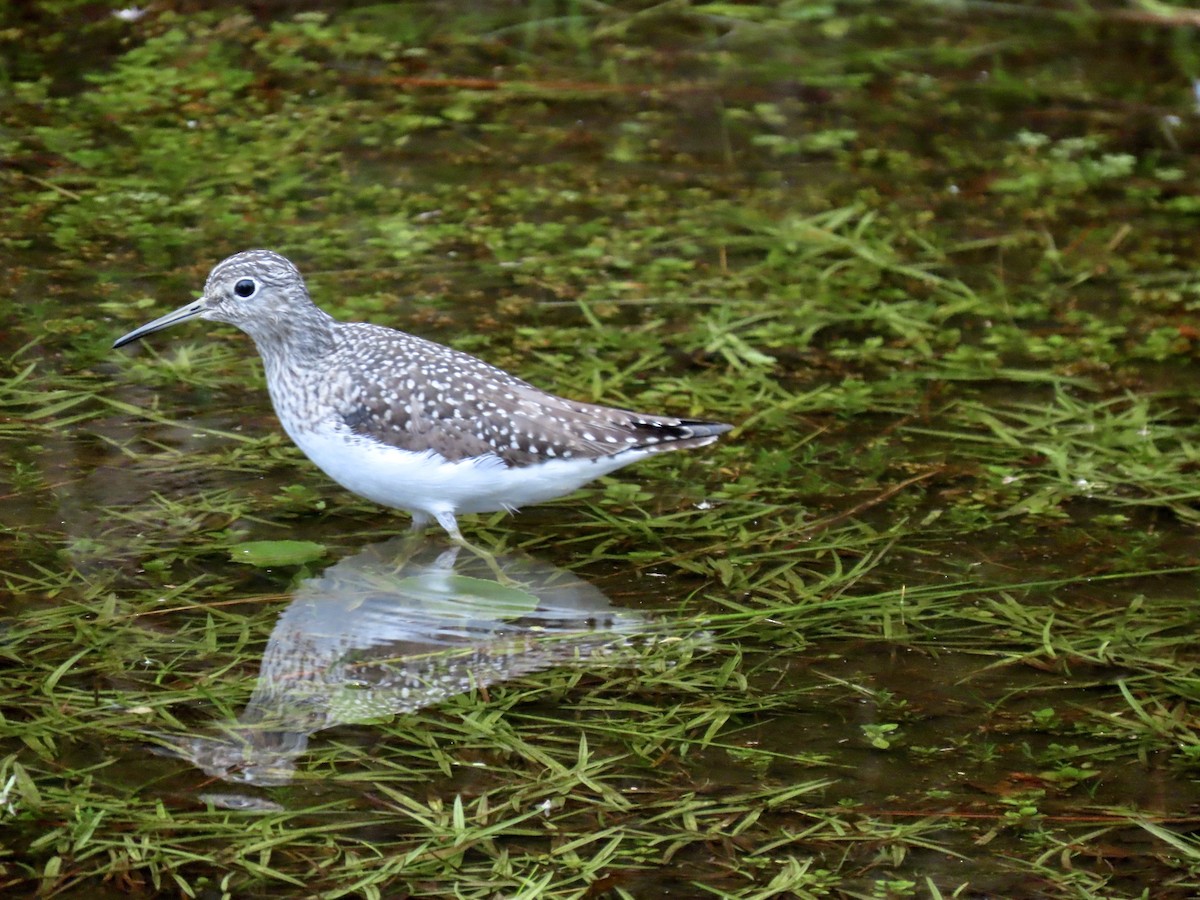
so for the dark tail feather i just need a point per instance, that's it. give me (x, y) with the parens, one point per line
(677, 434)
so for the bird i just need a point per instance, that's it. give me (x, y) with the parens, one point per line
(412, 424)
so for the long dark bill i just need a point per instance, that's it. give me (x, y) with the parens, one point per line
(182, 314)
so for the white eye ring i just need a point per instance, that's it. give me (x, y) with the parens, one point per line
(245, 288)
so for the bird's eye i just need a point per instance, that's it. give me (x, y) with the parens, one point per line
(246, 287)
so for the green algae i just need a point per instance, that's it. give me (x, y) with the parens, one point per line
(937, 265)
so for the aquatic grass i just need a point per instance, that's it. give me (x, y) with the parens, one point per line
(1123, 449)
(943, 570)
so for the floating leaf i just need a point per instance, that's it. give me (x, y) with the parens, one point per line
(464, 595)
(276, 553)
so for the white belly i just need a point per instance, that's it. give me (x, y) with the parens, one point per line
(426, 483)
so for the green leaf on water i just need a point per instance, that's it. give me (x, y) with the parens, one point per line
(502, 599)
(276, 553)
(465, 595)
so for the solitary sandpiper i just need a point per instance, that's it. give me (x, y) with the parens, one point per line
(412, 424)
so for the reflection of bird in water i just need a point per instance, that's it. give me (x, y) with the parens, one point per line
(396, 628)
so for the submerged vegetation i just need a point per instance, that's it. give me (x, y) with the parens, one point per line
(922, 626)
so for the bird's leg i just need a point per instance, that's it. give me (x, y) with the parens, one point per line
(448, 522)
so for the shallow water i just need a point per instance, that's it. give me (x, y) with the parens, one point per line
(922, 626)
